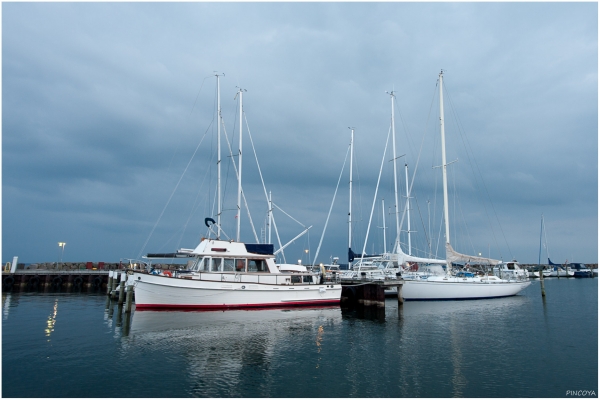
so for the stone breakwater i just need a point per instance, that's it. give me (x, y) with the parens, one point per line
(89, 265)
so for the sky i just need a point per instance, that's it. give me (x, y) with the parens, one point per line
(109, 127)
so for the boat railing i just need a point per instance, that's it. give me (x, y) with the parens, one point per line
(268, 278)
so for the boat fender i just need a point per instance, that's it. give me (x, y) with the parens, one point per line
(9, 280)
(78, 281)
(97, 282)
(167, 273)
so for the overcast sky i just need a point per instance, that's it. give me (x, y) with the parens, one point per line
(106, 105)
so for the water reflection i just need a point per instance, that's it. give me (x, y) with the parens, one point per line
(51, 321)
(6, 297)
(232, 351)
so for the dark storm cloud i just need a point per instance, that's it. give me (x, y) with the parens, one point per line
(104, 105)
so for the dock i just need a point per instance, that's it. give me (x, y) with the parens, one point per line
(362, 292)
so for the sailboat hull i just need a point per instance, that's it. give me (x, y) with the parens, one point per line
(456, 288)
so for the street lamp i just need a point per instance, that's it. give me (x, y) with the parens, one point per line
(62, 244)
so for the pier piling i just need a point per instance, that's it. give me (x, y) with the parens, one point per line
(122, 288)
(110, 282)
(129, 298)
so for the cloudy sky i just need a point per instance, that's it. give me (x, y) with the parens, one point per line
(109, 125)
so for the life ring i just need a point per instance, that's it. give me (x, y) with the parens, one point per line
(167, 273)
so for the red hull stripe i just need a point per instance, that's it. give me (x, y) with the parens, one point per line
(230, 306)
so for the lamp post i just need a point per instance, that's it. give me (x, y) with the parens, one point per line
(62, 244)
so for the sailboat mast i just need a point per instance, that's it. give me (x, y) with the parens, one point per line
(541, 231)
(350, 202)
(270, 215)
(239, 195)
(444, 173)
(218, 158)
(383, 219)
(408, 210)
(397, 243)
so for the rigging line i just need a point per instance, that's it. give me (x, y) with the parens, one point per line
(465, 140)
(196, 204)
(256, 159)
(331, 207)
(279, 240)
(387, 140)
(243, 195)
(280, 209)
(199, 90)
(171, 196)
(412, 182)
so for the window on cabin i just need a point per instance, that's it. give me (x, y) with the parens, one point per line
(257, 266)
(510, 266)
(216, 264)
(229, 264)
(240, 265)
(201, 265)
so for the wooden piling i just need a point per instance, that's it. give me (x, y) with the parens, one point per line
(542, 281)
(129, 298)
(110, 282)
(122, 288)
(400, 298)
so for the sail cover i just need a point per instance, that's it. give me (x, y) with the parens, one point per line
(453, 256)
(403, 257)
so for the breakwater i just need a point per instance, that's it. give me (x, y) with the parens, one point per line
(84, 276)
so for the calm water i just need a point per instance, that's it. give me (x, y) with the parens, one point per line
(70, 345)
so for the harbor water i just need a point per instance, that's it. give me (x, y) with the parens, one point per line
(82, 345)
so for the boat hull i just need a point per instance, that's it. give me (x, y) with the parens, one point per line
(454, 289)
(154, 292)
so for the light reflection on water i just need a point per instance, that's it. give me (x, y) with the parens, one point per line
(484, 348)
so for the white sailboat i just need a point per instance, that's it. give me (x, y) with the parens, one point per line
(508, 279)
(226, 274)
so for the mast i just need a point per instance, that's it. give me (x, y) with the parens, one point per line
(392, 95)
(239, 197)
(408, 210)
(383, 216)
(444, 173)
(270, 219)
(350, 202)
(218, 158)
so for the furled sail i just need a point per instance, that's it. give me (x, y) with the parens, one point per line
(403, 257)
(453, 256)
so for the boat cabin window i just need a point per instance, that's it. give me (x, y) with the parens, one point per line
(201, 264)
(510, 266)
(257, 266)
(228, 264)
(216, 264)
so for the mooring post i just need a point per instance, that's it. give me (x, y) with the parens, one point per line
(115, 282)
(129, 298)
(542, 281)
(400, 298)
(122, 288)
(110, 282)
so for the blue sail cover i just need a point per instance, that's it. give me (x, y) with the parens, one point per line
(259, 248)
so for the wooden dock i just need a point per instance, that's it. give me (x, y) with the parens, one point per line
(367, 293)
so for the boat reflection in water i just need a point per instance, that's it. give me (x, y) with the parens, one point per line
(233, 352)
(148, 322)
